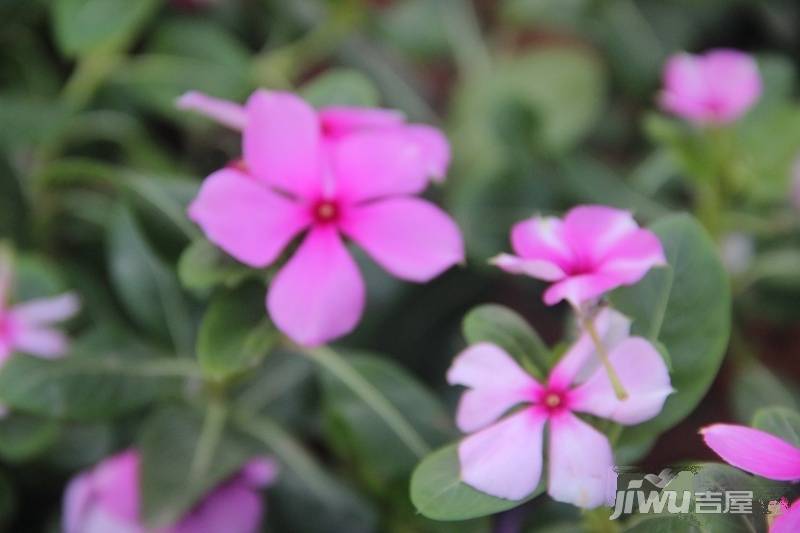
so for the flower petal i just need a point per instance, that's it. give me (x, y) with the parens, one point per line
(579, 289)
(245, 218)
(435, 149)
(233, 508)
(754, 451)
(411, 238)
(789, 521)
(338, 121)
(496, 384)
(41, 342)
(260, 472)
(633, 256)
(644, 376)
(580, 462)
(536, 268)
(281, 142)
(505, 459)
(319, 294)
(593, 230)
(47, 310)
(225, 112)
(377, 164)
(542, 238)
(77, 498)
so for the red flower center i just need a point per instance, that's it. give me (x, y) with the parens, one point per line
(325, 212)
(553, 400)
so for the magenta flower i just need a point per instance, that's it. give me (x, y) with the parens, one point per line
(360, 187)
(106, 499)
(339, 122)
(715, 88)
(593, 250)
(761, 454)
(503, 455)
(27, 327)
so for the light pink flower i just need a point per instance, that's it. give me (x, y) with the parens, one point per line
(106, 499)
(717, 87)
(593, 250)
(27, 327)
(760, 453)
(359, 187)
(503, 455)
(339, 122)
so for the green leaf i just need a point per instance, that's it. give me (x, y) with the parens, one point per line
(501, 326)
(147, 288)
(169, 443)
(754, 387)
(202, 266)
(307, 498)
(82, 26)
(235, 333)
(341, 87)
(438, 492)
(780, 421)
(687, 308)
(661, 524)
(364, 437)
(24, 437)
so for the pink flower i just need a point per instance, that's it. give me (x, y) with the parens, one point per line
(297, 179)
(503, 455)
(106, 499)
(26, 327)
(339, 122)
(593, 250)
(715, 88)
(762, 454)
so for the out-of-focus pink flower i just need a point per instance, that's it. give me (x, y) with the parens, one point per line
(717, 87)
(105, 499)
(339, 122)
(593, 250)
(503, 454)
(762, 454)
(26, 327)
(359, 186)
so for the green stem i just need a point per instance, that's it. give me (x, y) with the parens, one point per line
(210, 436)
(371, 396)
(602, 354)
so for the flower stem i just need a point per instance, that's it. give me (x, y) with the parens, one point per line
(602, 354)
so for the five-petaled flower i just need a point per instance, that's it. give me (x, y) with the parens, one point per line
(105, 499)
(333, 177)
(503, 454)
(593, 250)
(715, 88)
(762, 454)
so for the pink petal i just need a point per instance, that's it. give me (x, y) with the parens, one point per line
(227, 113)
(644, 376)
(789, 521)
(41, 342)
(579, 289)
(684, 87)
(593, 230)
(536, 268)
(260, 472)
(505, 459)
(496, 384)
(435, 149)
(281, 142)
(319, 294)
(116, 485)
(77, 499)
(232, 508)
(343, 120)
(46, 310)
(245, 218)
(734, 83)
(377, 164)
(542, 238)
(580, 462)
(411, 238)
(633, 256)
(755, 451)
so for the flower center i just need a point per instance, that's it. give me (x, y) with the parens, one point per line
(553, 401)
(325, 211)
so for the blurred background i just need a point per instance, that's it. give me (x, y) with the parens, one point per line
(548, 103)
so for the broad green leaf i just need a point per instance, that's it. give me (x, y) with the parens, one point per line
(755, 387)
(307, 498)
(82, 26)
(662, 524)
(35, 277)
(172, 443)
(146, 287)
(203, 266)
(235, 333)
(780, 421)
(363, 437)
(341, 87)
(500, 325)
(81, 446)
(24, 437)
(438, 492)
(687, 308)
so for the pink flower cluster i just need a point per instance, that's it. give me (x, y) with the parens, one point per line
(105, 499)
(338, 173)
